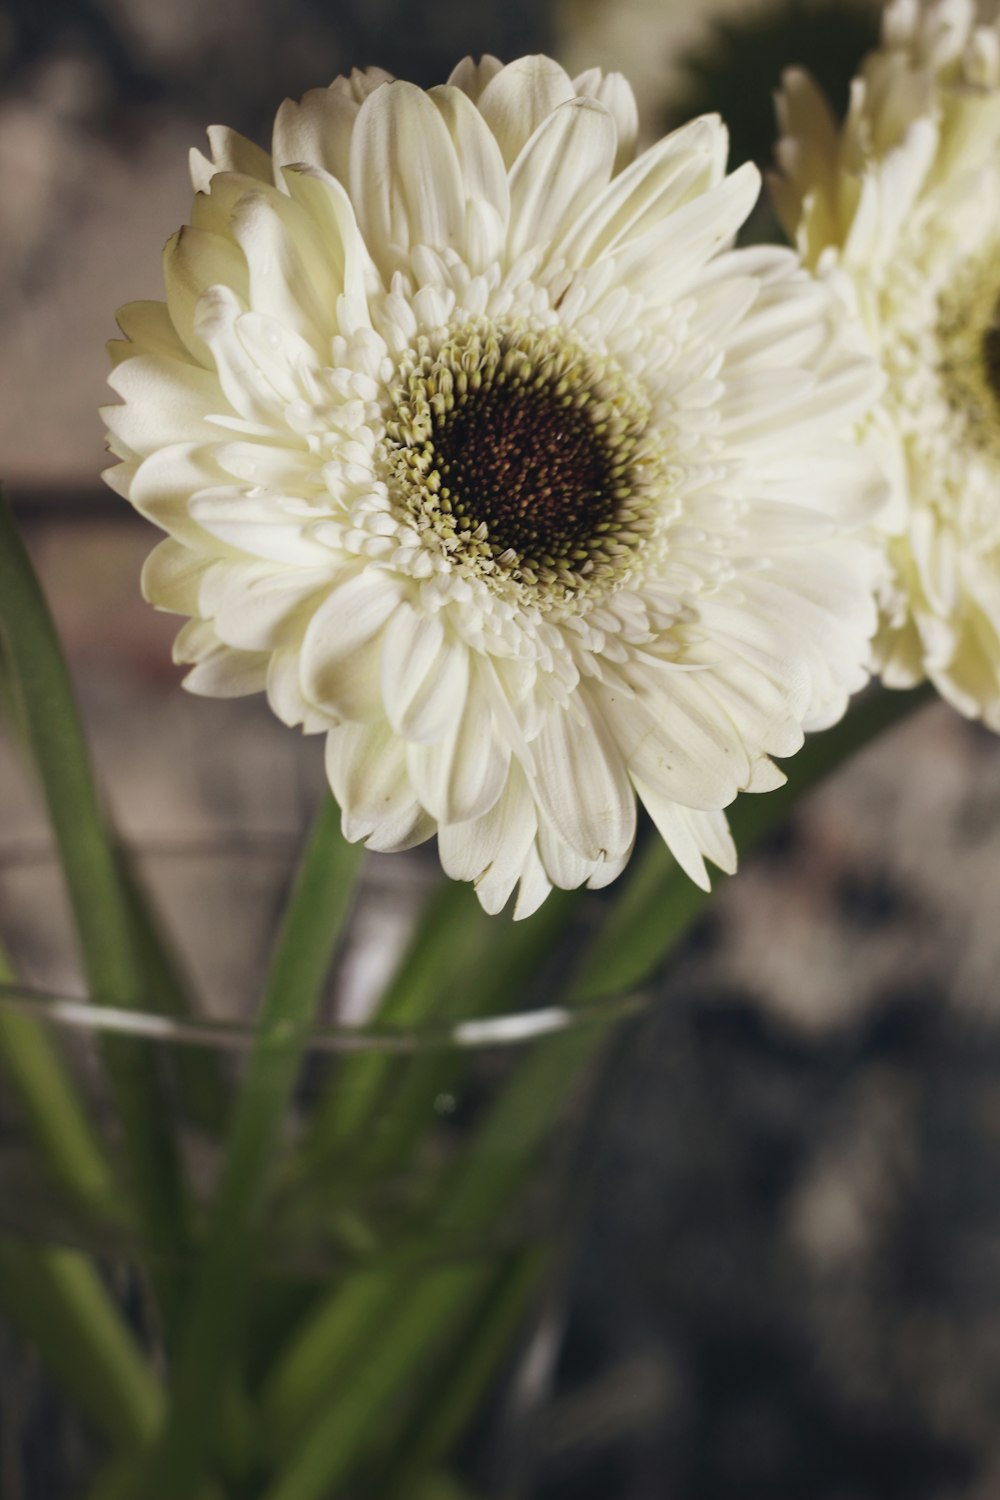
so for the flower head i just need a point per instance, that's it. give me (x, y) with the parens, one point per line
(901, 208)
(482, 452)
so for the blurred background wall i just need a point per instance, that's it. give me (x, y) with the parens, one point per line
(101, 99)
(790, 1286)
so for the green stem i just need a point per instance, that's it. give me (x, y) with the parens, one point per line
(448, 930)
(90, 866)
(328, 1451)
(656, 907)
(121, 1479)
(307, 1372)
(449, 1408)
(339, 1331)
(63, 1307)
(69, 1146)
(441, 1487)
(202, 1085)
(219, 1301)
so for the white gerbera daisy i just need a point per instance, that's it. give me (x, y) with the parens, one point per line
(902, 209)
(482, 453)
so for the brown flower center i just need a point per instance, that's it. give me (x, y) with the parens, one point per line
(528, 464)
(526, 454)
(991, 355)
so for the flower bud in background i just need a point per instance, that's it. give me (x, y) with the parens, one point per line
(482, 452)
(901, 210)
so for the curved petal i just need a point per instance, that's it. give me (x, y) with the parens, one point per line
(219, 671)
(256, 608)
(285, 695)
(667, 257)
(247, 389)
(172, 575)
(566, 869)
(533, 888)
(230, 152)
(615, 92)
(472, 77)
(690, 835)
(148, 329)
(328, 204)
(461, 776)
(366, 769)
(166, 402)
(676, 739)
(317, 128)
(518, 98)
(292, 276)
(259, 525)
(566, 162)
(405, 180)
(491, 850)
(163, 485)
(671, 173)
(581, 782)
(193, 260)
(425, 674)
(484, 176)
(342, 646)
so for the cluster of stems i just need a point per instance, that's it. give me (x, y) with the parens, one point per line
(362, 1378)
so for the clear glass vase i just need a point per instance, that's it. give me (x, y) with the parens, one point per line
(406, 1258)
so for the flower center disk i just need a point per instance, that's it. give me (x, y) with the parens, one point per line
(522, 450)
(526, 462)
(968, 336)
(991, 355)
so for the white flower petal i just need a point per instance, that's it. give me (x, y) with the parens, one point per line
(230, 152)
(461, 776)
(687, 749)
(691, 836)
(472, 77)
(519, 97)
(258, 525)
(676, 170)
(484, 177)
(165, 402)
(171, 577)
(228, 674)
(405, 179)
(691, 235)
(256, 608)
(329, 206)
(565, 868)
(164, 485)
(582, 784)
(193, 260)
(615, 92)
(342, 645)
(316, 130)
(148, 329)
(285, 696)
(366, 768)
(566, 162)
(291, 275)
(491, 850)
(533, 888)
(425, 675)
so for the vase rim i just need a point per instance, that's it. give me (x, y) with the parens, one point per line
(513, 1028)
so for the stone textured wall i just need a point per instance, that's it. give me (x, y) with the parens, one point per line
(790, 1274)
